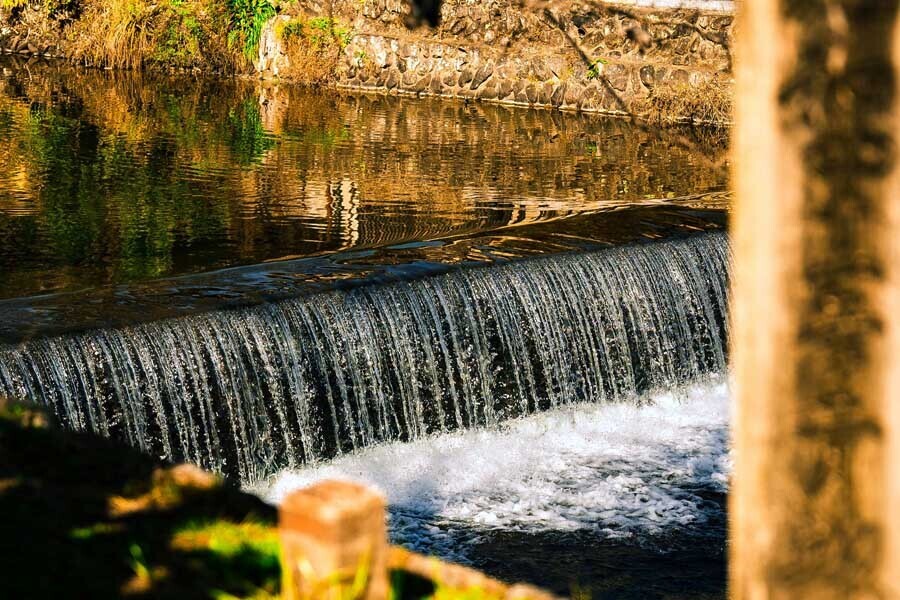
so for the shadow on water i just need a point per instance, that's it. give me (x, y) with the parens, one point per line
(684, 565)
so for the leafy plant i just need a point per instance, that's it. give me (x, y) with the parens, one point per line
(596, 68)
(320, 32)
(247, 20)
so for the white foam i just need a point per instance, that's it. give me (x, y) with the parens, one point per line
(619, 470)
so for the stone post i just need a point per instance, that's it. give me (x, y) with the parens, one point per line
(816, 343)
(334, 543)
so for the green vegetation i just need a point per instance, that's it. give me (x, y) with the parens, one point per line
(314, 47)
(247, 20)
(123, 527)
(131, 527)
(182, 39)
(596, 68)
(207, 35)
(320, 32)
(213, 35)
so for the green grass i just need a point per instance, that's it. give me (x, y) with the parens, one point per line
(100, 521)
(247, 20)
(116, 527)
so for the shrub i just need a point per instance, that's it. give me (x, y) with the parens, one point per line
(247, 20)
(172, 33)
(313, 46)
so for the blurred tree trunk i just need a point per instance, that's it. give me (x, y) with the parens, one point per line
(816, 347)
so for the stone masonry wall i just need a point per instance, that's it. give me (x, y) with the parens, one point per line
(621, 58)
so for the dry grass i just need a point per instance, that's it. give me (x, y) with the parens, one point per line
(705, 104)
(130, 34)
(313, 47)
(115, 34)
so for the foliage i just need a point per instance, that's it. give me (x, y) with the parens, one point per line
(182, 37)
(596, 68)
(320, 32)
(131, 34)
(112, 531)
(247, 20)
(314, 47)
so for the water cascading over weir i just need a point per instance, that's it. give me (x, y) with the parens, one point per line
(250, 391)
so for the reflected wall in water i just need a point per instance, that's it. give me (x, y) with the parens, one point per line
(116, 177)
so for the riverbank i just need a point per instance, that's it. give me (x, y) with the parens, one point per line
(657, 64)
(132, 526)
(138, 528)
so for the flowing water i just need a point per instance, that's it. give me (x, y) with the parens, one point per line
(499, 316)
(252, 391)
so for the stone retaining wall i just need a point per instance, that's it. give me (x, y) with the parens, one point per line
(627, 59)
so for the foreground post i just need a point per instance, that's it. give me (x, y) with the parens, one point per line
(334, 543)
(816, 346)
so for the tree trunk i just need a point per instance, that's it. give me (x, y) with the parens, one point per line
(816, 346)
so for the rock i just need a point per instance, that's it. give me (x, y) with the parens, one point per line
(458, 27)
(505, 88)
(617, 75)
(545, 92)
(393, 80)
(186, 477)
(679, 76)
(591, 99)
(557, 98)
(540, 70)
(466, 76)
(436, 86)
(573, 94)
(489, 91)
(557, 65)
(380, 56)
(647, 75)
(482, 75)
(422, 84)
(531, 92)
(405, 50)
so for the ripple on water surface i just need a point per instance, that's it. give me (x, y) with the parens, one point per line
(111, 178)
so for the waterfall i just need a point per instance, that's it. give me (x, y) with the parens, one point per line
(251, 391)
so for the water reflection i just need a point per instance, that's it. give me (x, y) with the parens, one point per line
(120, 177)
